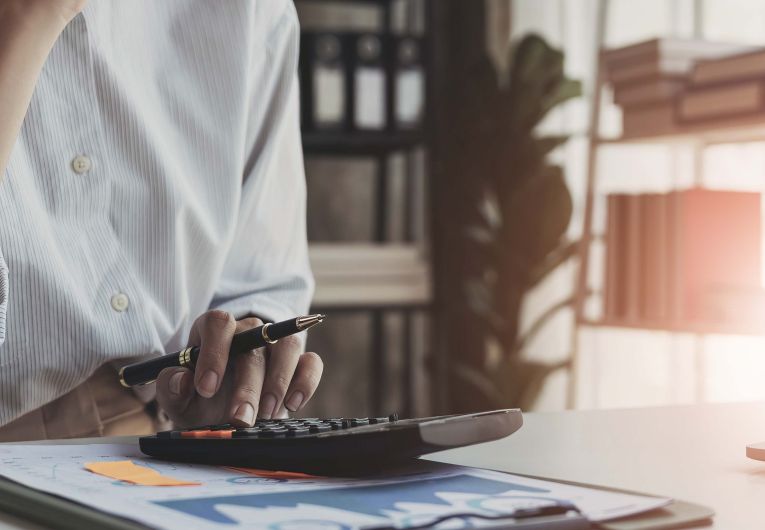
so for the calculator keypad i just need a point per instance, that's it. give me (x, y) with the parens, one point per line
(271, 429)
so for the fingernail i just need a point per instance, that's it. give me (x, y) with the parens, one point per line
(208, 383)
(245, 413)
(175, 383)
(295, 400)
(267, 406)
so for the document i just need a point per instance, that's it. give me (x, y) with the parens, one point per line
(234, 498)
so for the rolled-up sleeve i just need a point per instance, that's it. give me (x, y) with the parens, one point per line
(267, 272)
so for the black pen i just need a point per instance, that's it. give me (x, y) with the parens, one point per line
(147, 371)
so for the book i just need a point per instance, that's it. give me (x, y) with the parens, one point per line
(651, 69)
(633, 274)
(670, 47)
(722, 101)
(623, 277)
(616, 223)
(748, 65)
(654, 257)
(660, 89)
(657, 58)
(649, 120)
(743, 307)
(690, 256)
(714, 239)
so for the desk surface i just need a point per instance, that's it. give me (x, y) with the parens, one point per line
(695, 453)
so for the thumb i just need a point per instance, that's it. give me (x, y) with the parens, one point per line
(175, 388)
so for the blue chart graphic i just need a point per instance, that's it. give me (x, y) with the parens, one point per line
(371, 500)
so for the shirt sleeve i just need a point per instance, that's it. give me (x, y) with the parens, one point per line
(3, 296)
(267, 272)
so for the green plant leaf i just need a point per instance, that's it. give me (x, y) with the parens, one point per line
(537, 215)
(520, 381)
(539, 324)
(545, 145)
(482, 383)
(564, 252)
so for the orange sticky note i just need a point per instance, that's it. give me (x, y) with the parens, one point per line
(127, 471)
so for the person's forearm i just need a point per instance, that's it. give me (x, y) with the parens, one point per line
(27, 34)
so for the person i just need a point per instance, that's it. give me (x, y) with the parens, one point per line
(153, 197)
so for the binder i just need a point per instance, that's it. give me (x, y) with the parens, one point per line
(328, 83)
(370, 110)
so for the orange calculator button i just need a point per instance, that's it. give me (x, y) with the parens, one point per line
(206, 434)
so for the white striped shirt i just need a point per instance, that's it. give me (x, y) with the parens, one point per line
(158, 174)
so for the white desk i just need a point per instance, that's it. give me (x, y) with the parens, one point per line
(695, 453)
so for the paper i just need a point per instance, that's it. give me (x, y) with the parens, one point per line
(127, 471)
(242, 499)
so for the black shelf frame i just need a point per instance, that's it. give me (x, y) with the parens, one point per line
(348, 141)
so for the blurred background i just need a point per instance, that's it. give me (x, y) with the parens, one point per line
(544, 204)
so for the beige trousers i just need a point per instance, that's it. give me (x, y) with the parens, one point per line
(98, 407)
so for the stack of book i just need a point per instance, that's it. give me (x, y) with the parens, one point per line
(684, 257)
(661, 84)
(725, 88)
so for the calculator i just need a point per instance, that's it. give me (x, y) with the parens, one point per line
(329, 446)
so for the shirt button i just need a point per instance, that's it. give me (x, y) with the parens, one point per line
(81, 164)
(120, 302)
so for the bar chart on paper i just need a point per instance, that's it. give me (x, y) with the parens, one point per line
(204, 497)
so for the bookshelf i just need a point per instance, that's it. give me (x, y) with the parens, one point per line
(695, 136)
(359, 58)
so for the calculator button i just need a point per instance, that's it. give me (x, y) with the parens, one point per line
(298, 432)
(358, 422)
(274, 429)
(273, 434)
(375, 421)
(319, 428)
(206, 434)
(243, 434)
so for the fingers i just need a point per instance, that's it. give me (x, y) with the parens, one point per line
(304, 382)
(175, 388)
(282, 363)
(215, 330)
(249, 372)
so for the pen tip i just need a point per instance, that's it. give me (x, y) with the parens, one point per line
(308, 321)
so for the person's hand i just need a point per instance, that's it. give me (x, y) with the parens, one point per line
(260, 383)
